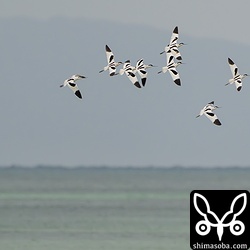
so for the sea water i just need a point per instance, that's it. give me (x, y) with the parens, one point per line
(103, 208)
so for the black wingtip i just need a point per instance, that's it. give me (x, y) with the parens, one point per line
(78, 94)
(112, 74)
(108, 49)
(230, 61)
(239, 88)
(217, 122)
(175, 30)
(178, 82)
(179, 58)
(143, 81)
(137, 84)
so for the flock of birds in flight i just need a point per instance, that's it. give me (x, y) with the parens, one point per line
(173, 60)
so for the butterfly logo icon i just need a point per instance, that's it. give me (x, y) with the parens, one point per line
(229, 219)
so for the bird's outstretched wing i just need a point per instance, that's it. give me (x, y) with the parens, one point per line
(130, 74)
(73, 86)
(212, 117)
(111, 61)
(140, 68)
(233, 67)
(172, 69)
(175, 36)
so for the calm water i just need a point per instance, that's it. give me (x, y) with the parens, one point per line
(103, 209)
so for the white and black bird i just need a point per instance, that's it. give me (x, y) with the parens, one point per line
(171, 68)
(71, 83)
(129, 71)
(208, 112)
(237, 77)
(141, 68)
(173, 46)
(112, 65)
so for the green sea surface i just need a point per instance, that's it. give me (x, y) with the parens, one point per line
(104, 208)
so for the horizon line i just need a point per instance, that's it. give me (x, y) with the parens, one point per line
(50, 166)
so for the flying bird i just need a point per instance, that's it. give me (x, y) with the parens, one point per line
(171, 68)
(111, 62)
(141, 69)
(173, 46)
(208, 112)
(129, 71)
(237, 78)
(71, 83)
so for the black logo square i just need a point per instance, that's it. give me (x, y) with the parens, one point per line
(219, 219)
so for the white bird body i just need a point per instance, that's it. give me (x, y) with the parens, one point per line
(141, 69)
(171, 68)
(129, 71)
(173, 46)
(173, 49)
(112, 65)
(71, 83)
(208, 112)
(237, 77)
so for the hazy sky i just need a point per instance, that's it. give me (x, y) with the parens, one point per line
(44, 42)
(223, 19)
